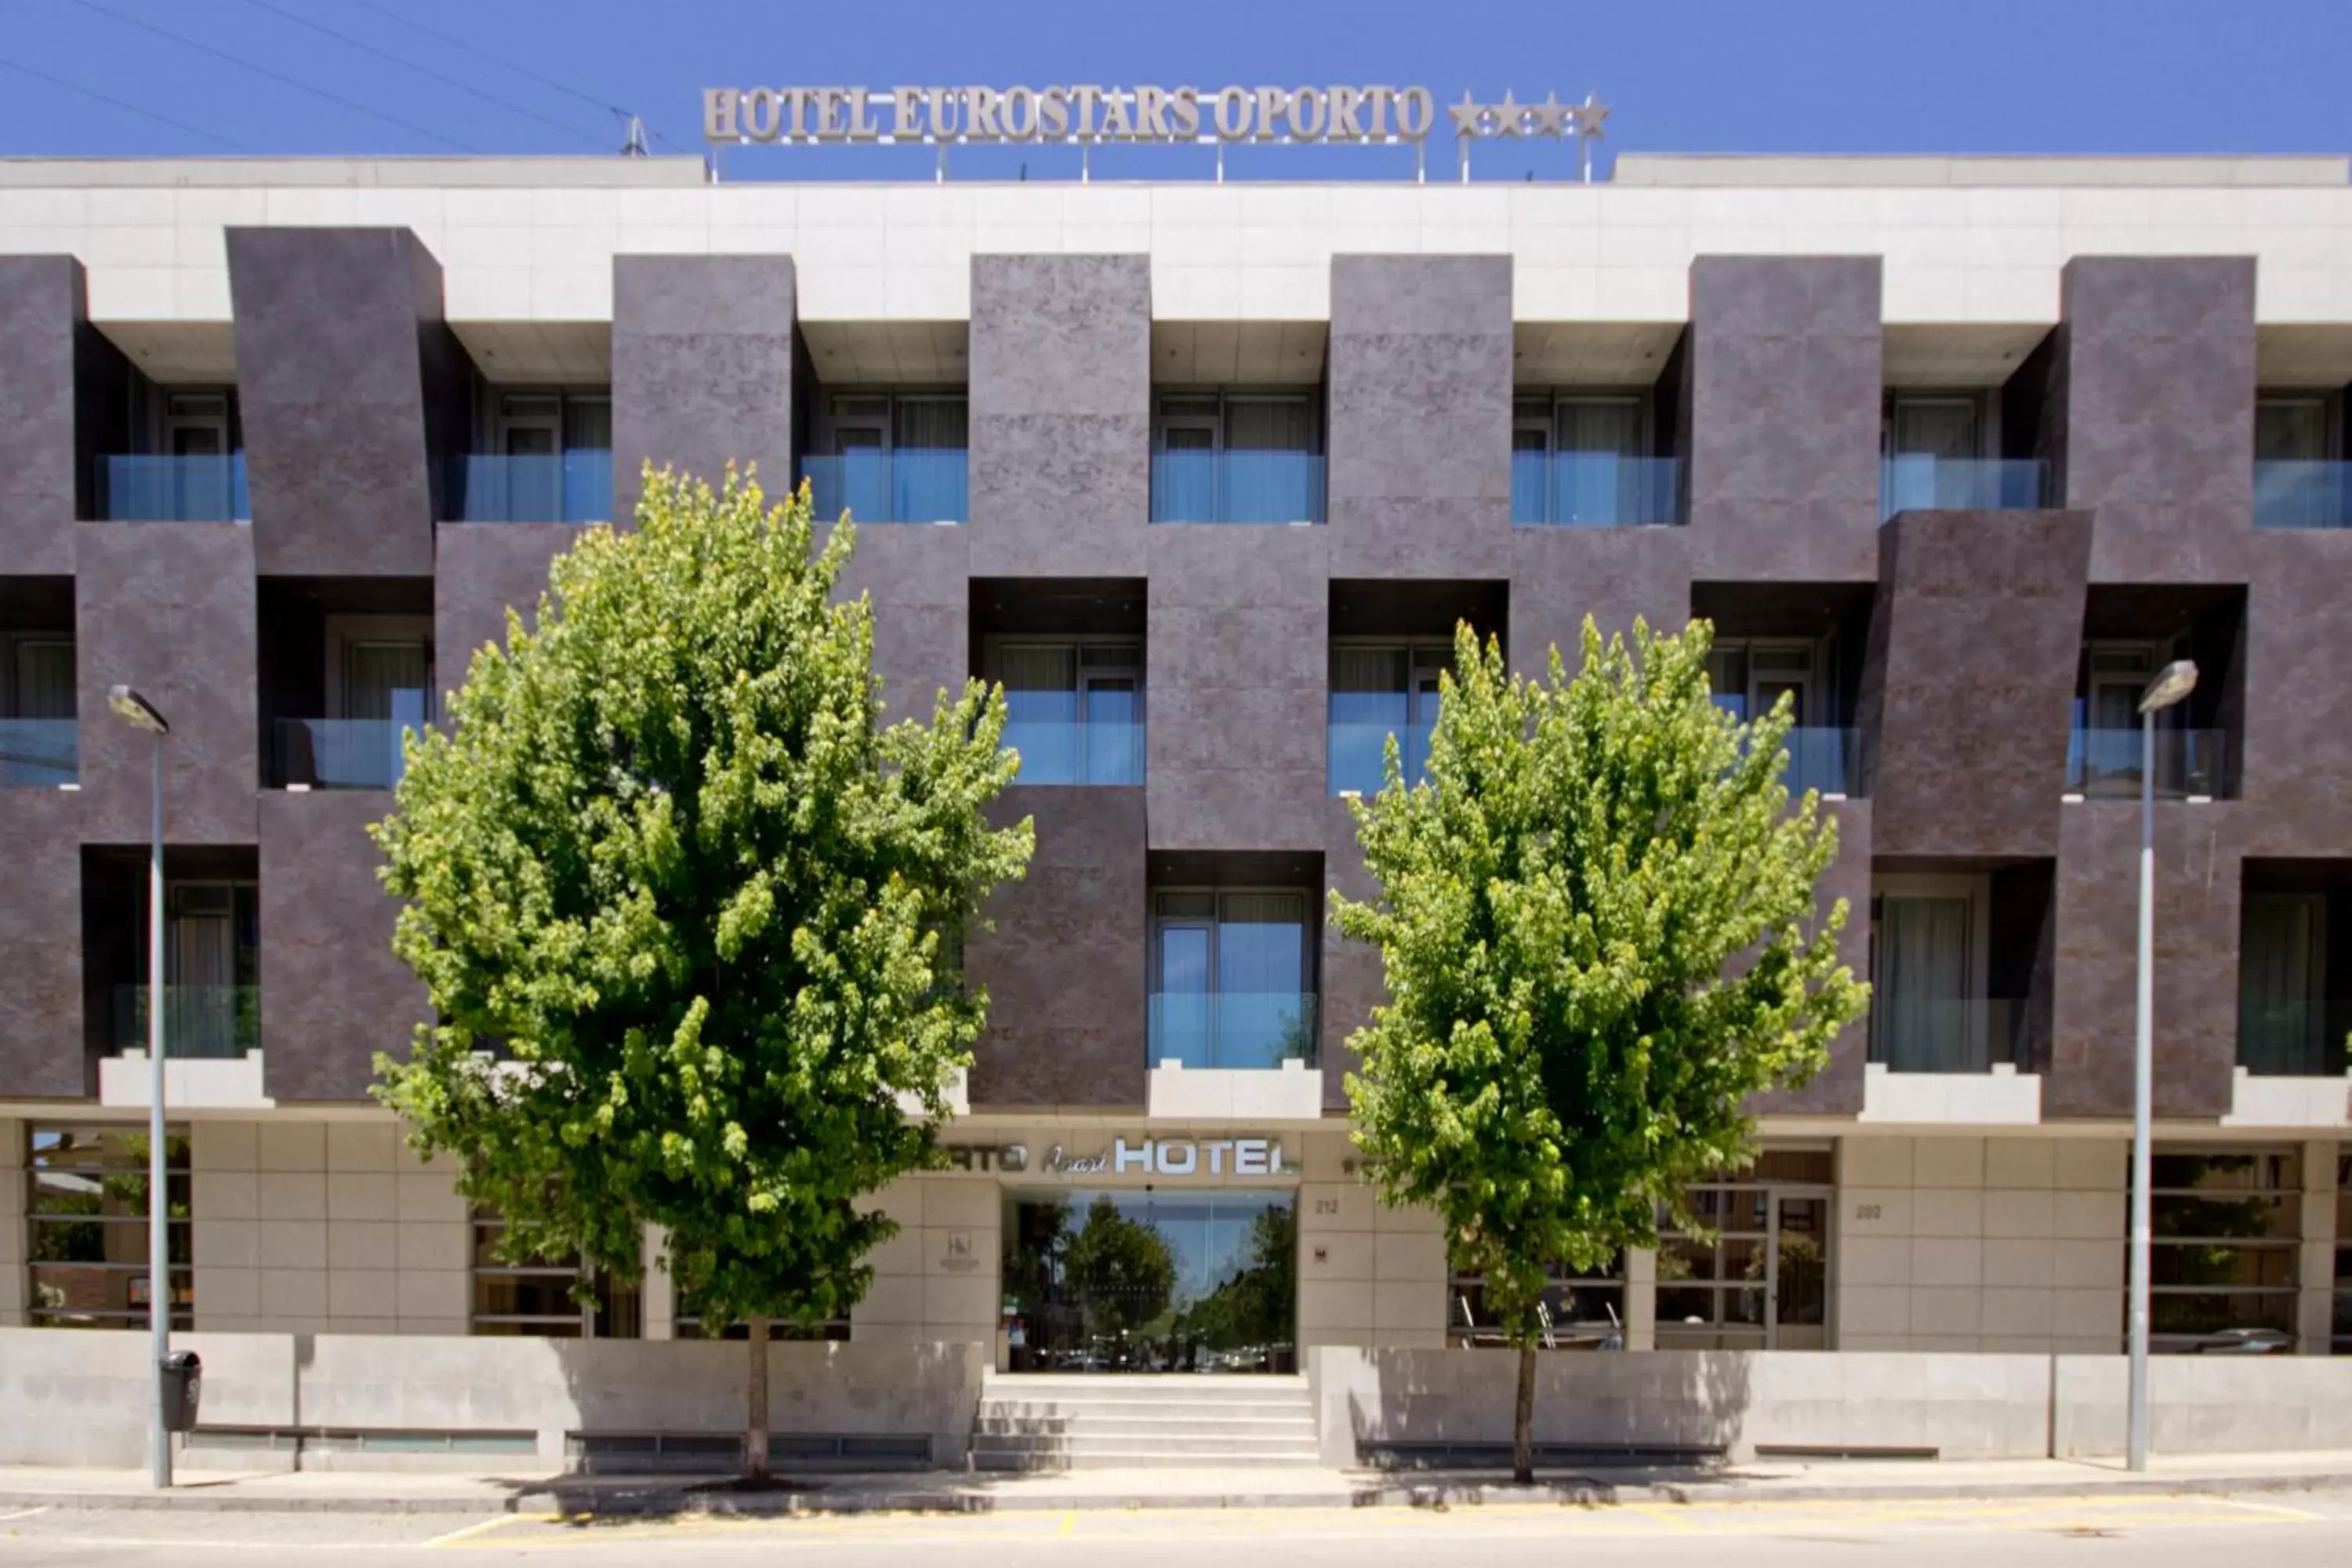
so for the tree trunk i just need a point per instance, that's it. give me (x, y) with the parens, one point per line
(755, 1415)
(1523, 1419)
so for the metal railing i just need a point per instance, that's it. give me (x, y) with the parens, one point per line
(1236, 487)
(1067, 751)
(1914, 483)
(209, 1021)
(39, 754)
(2298, 494)
(337, 754)
(1595, 489)
(910, 484)
(568, 487)
(2106, 763)
(1958, 1034)
(1232, 1028)
(155, 487)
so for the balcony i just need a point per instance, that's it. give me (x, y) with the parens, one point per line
(38, 753)
(210, 1023)
(337, 754)
(1918, 483)
(570, 487)
(1357, 754)
(2107, 763)
(1279, 487)
(1065, 752)
(2301, 494)
(2301, 1038)
(1823, 758)
(1232, 1029)
(150, 487)
(1595, 489)
(910, 485)
(1963, 1035)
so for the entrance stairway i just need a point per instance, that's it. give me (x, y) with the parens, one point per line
(1105, 1421)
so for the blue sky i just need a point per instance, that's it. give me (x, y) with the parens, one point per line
(1739, 75)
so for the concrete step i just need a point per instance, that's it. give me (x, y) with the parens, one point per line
(1126, 1460)
(1300, 1427)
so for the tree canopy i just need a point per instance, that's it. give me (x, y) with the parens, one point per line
(1597, 920)
(682, 905)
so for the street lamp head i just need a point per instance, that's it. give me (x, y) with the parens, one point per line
(2173, 682)
(133, 709)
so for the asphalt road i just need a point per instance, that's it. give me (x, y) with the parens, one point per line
(2287, 1531)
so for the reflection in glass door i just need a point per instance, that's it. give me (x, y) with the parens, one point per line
(1798, 1302)
(1762, 1282)
(1151, 1281)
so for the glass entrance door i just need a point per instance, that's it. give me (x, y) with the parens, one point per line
(1797, 1305)
(1762, 1281)
(1151, 1281)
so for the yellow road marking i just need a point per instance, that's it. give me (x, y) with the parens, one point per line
(1069, 1524)
(484, 1526)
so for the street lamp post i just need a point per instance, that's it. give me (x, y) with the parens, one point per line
(137, 712)
(2173, 682)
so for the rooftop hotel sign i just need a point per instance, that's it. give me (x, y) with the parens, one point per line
(1089, 116)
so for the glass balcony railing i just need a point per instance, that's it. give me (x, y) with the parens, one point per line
(2299, 1038)
(2295, 494)
(1232, 1028)
(199, 1021)
(337, 754)
(1236, 487)
(1945, 1035)
(38, 753)
(1961, 484)
(569, 487)
(151, 487)
(2107, 762)
(1355, 754)
(909, 485)
(1064, 752)
(1595, 489)
(1823, 757)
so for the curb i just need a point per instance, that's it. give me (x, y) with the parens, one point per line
(1566, 1492)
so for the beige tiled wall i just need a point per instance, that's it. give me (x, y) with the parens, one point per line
(1368, 1274)
(938, 1277)
(325, 1226)
(1980, 1244)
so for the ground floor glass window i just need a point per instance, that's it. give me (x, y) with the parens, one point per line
(1151, 1281)
(1760, 1281)
(529, 1297)
(1579, 1311)
(87, 1257)
(2225, 1230)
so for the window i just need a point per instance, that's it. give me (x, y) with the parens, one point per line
(2107, 752)
(1586, 460)
(1929, 953)
(1578, 1310)
(1232, 979)
(1074, 709)
(1762, 1281)
(535, 1298)
(2291, 429)
(548, 457)
(2340, 1323)
(1378, 689)
(87, 1229)
(897, 457)
(2283, 1015)
(1944, 427)
(1237, 457)
(2223, 1258)
(38, 709)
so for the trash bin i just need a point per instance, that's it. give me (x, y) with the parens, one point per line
(183, 1384)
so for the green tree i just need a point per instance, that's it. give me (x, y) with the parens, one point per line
(666, 860)
(1598, 927)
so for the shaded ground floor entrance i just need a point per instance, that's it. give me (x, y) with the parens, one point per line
(1142, 1281)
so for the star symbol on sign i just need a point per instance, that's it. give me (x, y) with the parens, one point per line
(1590, 114)
(1551, 116)
(1507, 115)
(1466, 115)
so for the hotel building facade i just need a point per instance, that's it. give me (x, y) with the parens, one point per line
(1954, 454)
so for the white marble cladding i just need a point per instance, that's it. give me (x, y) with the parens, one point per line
(2264, 1101)
(1292, 1092)
(1253, 251)
(220, 1083)
(2001, 1098)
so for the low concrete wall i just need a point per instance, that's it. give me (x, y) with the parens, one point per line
(2206, 1404)
(1962, 1406)
(69, 1398)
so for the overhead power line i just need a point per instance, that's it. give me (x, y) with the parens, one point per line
(274, 76)
(479, 52)
(121, 104)
(489, 98)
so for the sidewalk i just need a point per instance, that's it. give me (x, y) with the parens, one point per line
(1086, 1490)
